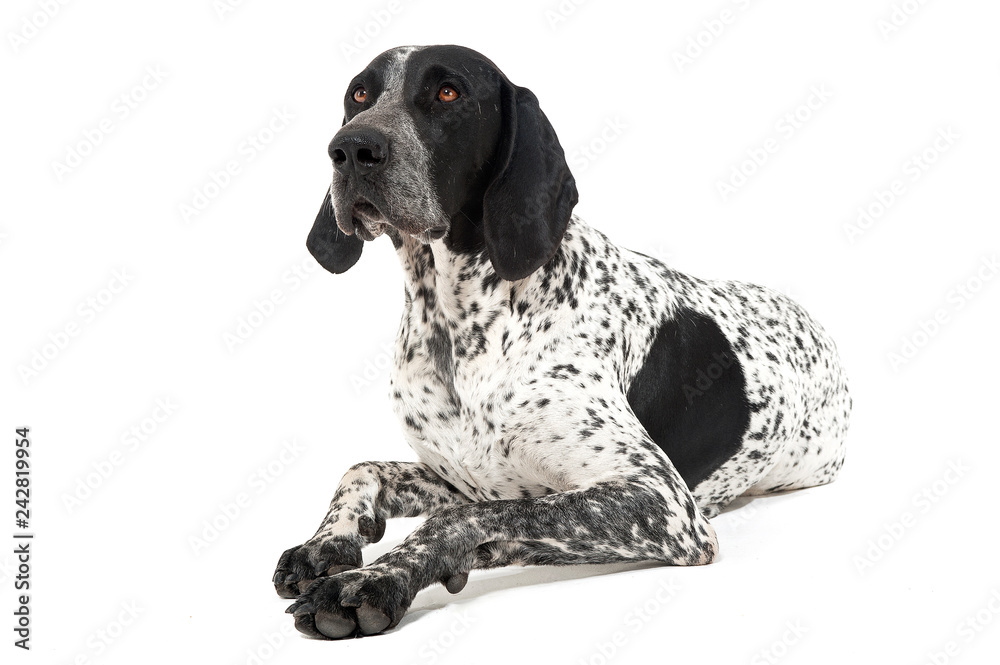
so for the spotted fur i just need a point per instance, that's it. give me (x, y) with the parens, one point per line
(601, 408)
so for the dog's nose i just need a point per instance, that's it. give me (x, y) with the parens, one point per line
(359, 151)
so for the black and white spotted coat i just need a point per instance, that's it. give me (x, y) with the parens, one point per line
(519, 389)
(513, 395)
(593, 406)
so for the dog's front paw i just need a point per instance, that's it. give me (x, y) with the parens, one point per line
(300, 565)
(366, 601)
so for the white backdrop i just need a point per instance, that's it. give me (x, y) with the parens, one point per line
(195, 385)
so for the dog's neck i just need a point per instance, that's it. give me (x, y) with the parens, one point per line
(461, 286)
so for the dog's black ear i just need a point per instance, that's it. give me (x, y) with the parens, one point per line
(332, 248)
(528, 205)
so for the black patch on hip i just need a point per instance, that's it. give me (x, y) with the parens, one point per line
(690, 395)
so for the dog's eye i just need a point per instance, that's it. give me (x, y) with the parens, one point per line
(360, 94)
(447, 93)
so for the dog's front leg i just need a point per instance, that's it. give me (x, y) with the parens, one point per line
(609, 522)
(368, 494)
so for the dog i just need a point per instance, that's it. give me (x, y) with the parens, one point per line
(569, 401)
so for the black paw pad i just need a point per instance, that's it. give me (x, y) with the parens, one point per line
(371, 529)
(371, 620)
(456, 583)
(334, 625)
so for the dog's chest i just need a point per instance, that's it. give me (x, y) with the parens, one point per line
(456, 372)
(487, 372)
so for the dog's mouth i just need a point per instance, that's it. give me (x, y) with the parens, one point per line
(368, 222)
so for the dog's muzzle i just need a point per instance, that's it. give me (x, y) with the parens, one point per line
(361, 157)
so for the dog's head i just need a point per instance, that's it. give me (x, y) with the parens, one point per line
(439, 145)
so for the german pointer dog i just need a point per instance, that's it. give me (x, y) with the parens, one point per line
(569, 401)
